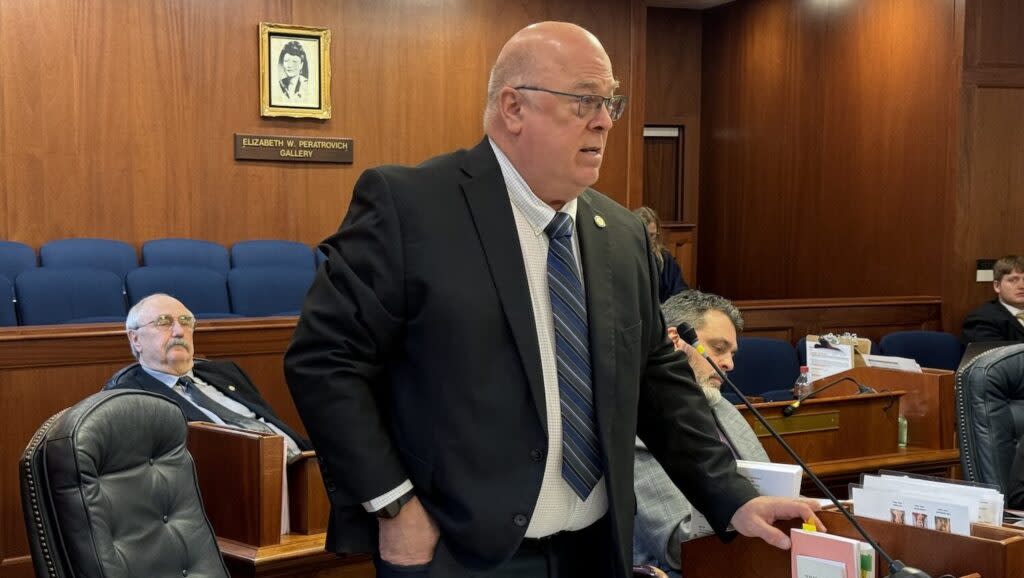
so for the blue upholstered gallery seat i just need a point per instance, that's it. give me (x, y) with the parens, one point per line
(8, 316)
(203, 291)
(272, 253)
(186, 253)
(257, 291)
(74, 295)
(935, 349)
(763, 365)
(14, 258)
(114, 256)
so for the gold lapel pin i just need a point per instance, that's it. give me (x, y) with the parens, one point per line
(600, 221)
(231, 388)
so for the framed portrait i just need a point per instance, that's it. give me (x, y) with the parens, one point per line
(295, 71)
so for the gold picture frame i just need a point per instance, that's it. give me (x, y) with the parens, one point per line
(295, 71)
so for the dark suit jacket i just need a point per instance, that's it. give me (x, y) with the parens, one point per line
(220, 374)
(416, 357)
(992, 322)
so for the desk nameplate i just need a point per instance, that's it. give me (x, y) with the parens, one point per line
(800, 423)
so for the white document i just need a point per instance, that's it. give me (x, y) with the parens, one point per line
(890, 362)
(823, 362)
(989, 501)
(770, 479)
(950, 516)
(811, 567)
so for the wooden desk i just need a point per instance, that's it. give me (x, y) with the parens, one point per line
(296, 555)
(991, 551)
(839, 474)
(850, 426)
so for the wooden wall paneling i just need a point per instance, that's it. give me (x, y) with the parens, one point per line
(637, 105)
(760, 145)
(681, 241)
(867, 317)
(886, 138)
(673, 82)
(991, 207)
(989, 201)
(662, 172)
(125, 130)
(993, 34)
(824, 136)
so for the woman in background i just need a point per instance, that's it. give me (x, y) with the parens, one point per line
(671, 278)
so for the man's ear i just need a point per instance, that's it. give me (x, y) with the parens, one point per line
(133, 339)
(510, 109)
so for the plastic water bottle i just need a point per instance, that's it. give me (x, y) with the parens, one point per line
(803, 385)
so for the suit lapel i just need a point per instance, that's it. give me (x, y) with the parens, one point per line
(488, 201)
(595, 251)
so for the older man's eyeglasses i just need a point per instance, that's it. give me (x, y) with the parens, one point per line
(589, 104)
(165, 321)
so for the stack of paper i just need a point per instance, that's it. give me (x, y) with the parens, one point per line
(770, 479)
(891, 362)
(927, 502)
(820, 555)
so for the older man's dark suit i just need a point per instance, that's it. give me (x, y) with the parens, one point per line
(416, 357)
(992, 322)
(220, 374)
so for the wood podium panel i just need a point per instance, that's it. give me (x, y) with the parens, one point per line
(241, 480)
(308, 503)
(928, 404)
(831, 428)
(992, 552)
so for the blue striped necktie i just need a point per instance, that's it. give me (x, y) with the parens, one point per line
(581, 457)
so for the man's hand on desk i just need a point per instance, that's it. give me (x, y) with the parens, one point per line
(755, 518)
(409, 538)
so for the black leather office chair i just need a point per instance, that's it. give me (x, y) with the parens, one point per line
(109, 490)
(990, 413)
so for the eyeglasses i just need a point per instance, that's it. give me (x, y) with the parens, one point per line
(164, 321)
(589, 103)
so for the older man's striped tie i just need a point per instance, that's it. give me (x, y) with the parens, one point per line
(581, 457)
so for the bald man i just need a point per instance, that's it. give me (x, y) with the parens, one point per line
(472, 359)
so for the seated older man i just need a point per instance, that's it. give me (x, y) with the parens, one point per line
(664, 516)
(161, 329)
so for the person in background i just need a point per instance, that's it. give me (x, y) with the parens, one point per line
(160, 331)
(670, 281)
(664, 517)
(1001, 319)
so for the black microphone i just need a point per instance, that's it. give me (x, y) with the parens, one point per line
(896, 568)
(791, 408)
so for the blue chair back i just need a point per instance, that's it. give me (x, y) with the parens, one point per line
(203, 291)
(14, 258)
(935, 349)
(114, 256)
(259, 291)
(186, 253)
(8, 316)
(53, 296)
(764, 364)
(271, 253)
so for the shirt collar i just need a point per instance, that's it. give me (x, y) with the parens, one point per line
(1013, 310)
(165, 378)
(538, 213)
